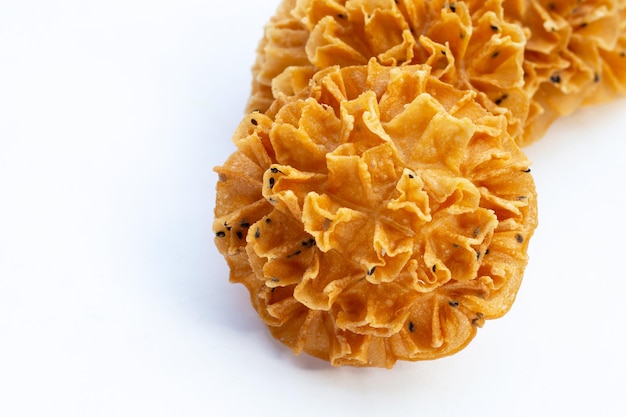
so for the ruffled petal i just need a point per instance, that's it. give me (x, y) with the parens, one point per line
(384, 216)
(569, 56)
(467, 44)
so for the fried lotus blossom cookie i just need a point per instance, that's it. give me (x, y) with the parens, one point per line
(467, 44)
(575, 55)
(384, 215)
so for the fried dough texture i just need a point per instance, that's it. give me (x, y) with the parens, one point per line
(467, 44)
(376, 214)
(536, 60)
(575, 56)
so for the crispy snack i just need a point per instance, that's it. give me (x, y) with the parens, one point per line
(573, 51)
(380, 214)
(467, 43)
(575, 55)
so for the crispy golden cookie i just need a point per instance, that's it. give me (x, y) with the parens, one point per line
(575, 55)
(378, 215)
(467, 43)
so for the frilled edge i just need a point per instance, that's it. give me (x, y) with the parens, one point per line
(283, 40)
(280, 256)
(575, 56)
(571, 55)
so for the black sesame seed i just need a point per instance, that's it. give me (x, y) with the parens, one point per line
(272, 180)
(495, 54)
(254, 122)
(555, 78)
(411, 176)
(583, 25)
(443, 52)
(275, 170)
(268, 220)
(596, 78)
(371, 271)
(307, 243)
(341, 15)
(527, 170)
(257, 233)
(476, 231)
(434, 268)
(494, 28)
(452, 8)
(411, 327)
(220, 234)
(244, 225)
(239, 235)
(453, 303)
(519, 238)
(501, 99)
(487, 251)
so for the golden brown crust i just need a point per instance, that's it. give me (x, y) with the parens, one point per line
(379, 215)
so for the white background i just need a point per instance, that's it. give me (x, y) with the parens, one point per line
(114, 301)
